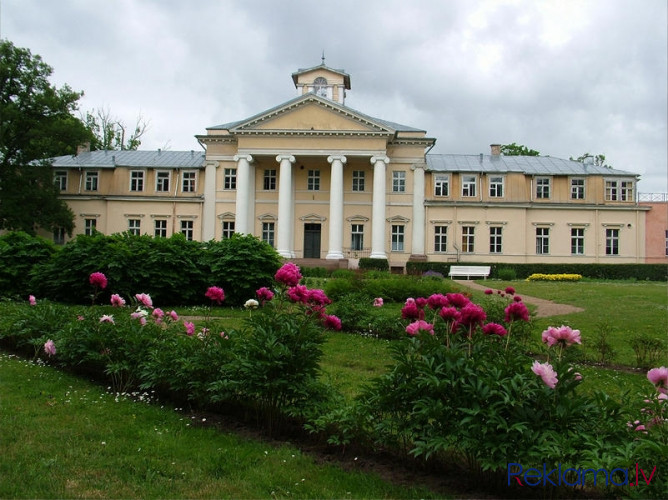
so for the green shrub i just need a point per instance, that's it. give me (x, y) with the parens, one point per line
(314, 272)
(368, 263)
(343, 273)
(19, 253)
(506, 274)
(337, 288)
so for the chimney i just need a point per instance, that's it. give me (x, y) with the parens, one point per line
(83, 148)
(496, 149)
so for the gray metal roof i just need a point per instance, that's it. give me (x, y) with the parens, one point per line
(396, 127)
(145, 159)
(530, 165)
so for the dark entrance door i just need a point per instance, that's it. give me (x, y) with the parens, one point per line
(311, 241)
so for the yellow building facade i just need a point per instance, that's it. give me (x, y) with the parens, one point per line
(319, 180)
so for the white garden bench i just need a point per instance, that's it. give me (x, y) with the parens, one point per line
(468, 271)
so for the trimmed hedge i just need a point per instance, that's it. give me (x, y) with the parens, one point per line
(367, 263)
(642, 272)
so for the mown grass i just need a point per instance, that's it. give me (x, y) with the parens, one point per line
(64, 437)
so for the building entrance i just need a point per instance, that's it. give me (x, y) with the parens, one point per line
(312, 241)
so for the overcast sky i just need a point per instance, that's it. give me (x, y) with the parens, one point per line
(562, 77)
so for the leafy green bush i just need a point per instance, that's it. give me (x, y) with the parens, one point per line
(506, 274)
(314, 272)
(375, 264)
(19, 253)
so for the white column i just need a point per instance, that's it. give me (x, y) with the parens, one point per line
(209, 206)
(243, 202)
(417, 242)
(285, 238)
(378, 207)
(336, 208)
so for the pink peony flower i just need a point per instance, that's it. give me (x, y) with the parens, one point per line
(472, 314)
(410, 310)
(223, 335)
(489, 291)
(158, 313)
(288, 274)
(563, 335)
(516, 311)
(80, 318)
(32, 300)
(298, 293)
(421, 302)
(510, 290)
(142, 321)
(457, 300)
(107, 318)
(659, 377)
(414, 328)
(332, 322)
(173, 315)
(378, 302)
(144, 299)
(546, 372)
(190, 328)
(99, 280)
(216, 294)
(50, 347)
(139, 314)
(449, 314)
(517, 298)
(317, 297)
(264, 294)
(437, 301)
(117, 300)
(494, 329)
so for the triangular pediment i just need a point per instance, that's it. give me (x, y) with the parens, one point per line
(310, 114)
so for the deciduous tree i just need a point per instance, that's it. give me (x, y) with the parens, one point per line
(110, 132)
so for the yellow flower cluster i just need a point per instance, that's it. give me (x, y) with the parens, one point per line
(554, 277)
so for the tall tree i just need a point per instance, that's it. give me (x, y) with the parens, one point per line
(36, 123)
(518, 150)
(112, 133)
(598, 160)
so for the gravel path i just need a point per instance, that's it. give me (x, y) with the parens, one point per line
(544, 308)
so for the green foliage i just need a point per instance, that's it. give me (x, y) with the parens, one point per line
(240, 265)
(648, 350)
(358, 316)
(518, 150)
(37, 123)
(389, 288)
(506, 274)
(19, 253)
(601, 344)
(368, 263)
(110, 133)
(343, 273)
(314, 272)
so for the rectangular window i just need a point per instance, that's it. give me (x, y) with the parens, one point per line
(542, 187)
(619, 190)
(468, 239)
(59, 236)
(495, 239)
(577, 241)
(136, 180)
(612, 242)
(358, 180)
(440, 238)
(442, 185)
(468, 185)
(91, 181)
(496, 187)
(398, 182)
(577, 189)
(188, 182)
(89, 226)
(162, 182)
(228, 229)
(60, 180)
(357, 237)
(230, 179)
(160, 228)
(269, 182)
(313, 182)
(626, 190)
(268, 233)
(134, 226)
(542, 240)
(397, 238)
(187, 227)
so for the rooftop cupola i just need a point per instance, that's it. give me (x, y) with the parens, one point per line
(323, 81)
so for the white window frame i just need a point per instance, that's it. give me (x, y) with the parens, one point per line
(269, 232)
(188, 229)
(60, 180)
(134, 226)
(313, 180)
(160, 228)
(90, 226)
(230, 179)
(92, 180)
(543, 188)
(578, 188)
(469, 185)
(228, 229)
(496, 186)
(269, 179)
(189, 181)
(542, 240)
(137, 178)
(440, 239)
(398, 181)
(357, 237)
(468, 239)
(496, 239)
(398, 237)
(441, 185)
(577, 241)
(162, 182)
(358, 180)
(611, 241)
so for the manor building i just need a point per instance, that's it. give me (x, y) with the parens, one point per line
(319, 180)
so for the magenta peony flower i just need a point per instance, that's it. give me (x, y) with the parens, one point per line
(190, 328)
(517, 298)
(50, 347)
(410, 310)
(421, 302)
(264, 294)
(457, 300)
(494, 329)
(216, 294)
(288, 274)
(298, 293)
(99, 280)
(106, 318)
(173, 315)
(472, 314)
(449, 314)
(331, 322)
(32, 300)
(158, 313)
(117, 300)
(144, 299)
(317, 297)
(659, 377)
(437, 301)
(378, 302)
(546, 372)
(414, 328)
(489, 291)
(516, 311)
(510, 290)
(563, 335)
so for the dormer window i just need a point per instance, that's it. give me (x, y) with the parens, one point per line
(320, 86)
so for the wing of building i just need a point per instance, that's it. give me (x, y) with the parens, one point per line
(319, 180)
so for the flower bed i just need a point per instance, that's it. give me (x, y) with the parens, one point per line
(554, 277)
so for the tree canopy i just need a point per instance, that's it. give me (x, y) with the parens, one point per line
(518, 150)
(110, 132)
(598, 160)
(36, 123)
